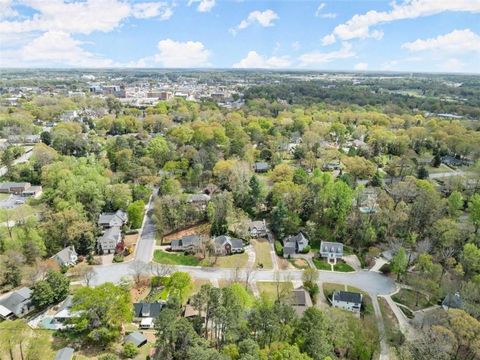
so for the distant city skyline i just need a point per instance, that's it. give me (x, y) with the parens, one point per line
(377, 35)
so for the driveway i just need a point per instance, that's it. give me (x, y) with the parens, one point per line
(146, 241)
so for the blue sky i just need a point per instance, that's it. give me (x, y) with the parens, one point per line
(407, 35)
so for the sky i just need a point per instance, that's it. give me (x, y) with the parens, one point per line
(374, 35)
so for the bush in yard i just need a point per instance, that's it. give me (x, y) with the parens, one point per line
(108, 357)
(135, 214)
(278, 248)
(118, 258)
(386, 269)
(130, 350)
(306, 249)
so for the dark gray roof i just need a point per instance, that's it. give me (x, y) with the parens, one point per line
(136, 338)
(295, 239)
(147, 309)
(223, 239)
(347, 296)
(332, 247)
(301, 297)
(17, 301)
(65, 354)
(261, 166)
(64, 255)
(453, 301)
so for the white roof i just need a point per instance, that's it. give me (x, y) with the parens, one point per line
(146, 322)
(4, 312)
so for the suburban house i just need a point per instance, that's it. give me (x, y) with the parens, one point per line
(33, 191)
(17, 304)
(198, 198)
(136, 338)
(294, 244)
(331, 250)
(69, 115)
(65, 353)
(107, 243)
(347, 300)
(258, 228)
(16, 188)
(116, 219)
(452, 301)
(453, 161)
(332, 166)
(367, 201)
(189, 243)
(66, 257)
(261, 167)
(63, 315)
(300, 300)
(146, 313)
(225, 245)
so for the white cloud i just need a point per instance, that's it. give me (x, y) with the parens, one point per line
(263, 18)
(318, 12)
(53, 48)
(328, 40)
(6, 9)
(319, 9)
(176, 54)
(204, 5)
(296, 45)
(452, 65)
(457, 41)
(361, 66)
(161, 10)
(257, 61)
(318, 58)
(358, 27)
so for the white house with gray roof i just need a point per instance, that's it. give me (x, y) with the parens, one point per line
(17, 304)
(66, 257)
(225, 245)
(107, 243)
(294, 244)
(347, 300)
(331, 250)
(116, 219)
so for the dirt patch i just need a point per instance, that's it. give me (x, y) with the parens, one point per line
(198, 229)
(139, 293)
(284, 264)
(300, 263)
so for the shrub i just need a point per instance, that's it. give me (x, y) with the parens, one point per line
(130, 350)
(118, 258)
(155, 281)
(108, 357)
(386, 269)
(306, 249)
(278, 248)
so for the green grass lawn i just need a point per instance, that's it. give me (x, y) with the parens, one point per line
(413, 299)
(262, 251)
(4, 196)
(392, 330)
(269, 289)
(343, 267)
(322, 264)
(441, 169)
(21, 212)
(231, 261)
(299, 263)
(163, 257)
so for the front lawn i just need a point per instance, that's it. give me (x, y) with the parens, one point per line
(231, 261)
(262, 252)
(413, 299)
(299, 263)
(343, 267)
(163, 257)
(322, 264)
(269, 289)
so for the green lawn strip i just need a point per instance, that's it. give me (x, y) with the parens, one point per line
(343, 267)
(412, 299)
(163, 257)
(269, 289)
(392, 329)
(322, 264)
(262, 252)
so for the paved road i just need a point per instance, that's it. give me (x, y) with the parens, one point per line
(146, 241)
(371, 282)
(24, 158)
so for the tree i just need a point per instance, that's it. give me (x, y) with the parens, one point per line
(52, 290)
(130, 350)
(283, 351)
(474, 211)
(135, 214)
(284, 222)
(455, 204)
(422, 173)
(219, 210)
(10, 267)
(471, 259)
(102, 311)
(179, 283)
(399, 263)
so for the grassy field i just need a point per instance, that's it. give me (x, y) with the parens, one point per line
(269, 289)
(4, 196)
(394, 335)
(322, 264)
(163, 257)
(413, 299)
(262, 251)
(21, 212)
(299, 263)
(231, 261)
(343, 267)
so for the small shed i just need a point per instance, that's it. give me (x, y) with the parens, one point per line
(136, 338)
(65, 354)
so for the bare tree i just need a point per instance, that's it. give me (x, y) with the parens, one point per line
(88, 276)
(161, 270)
(138, 269)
